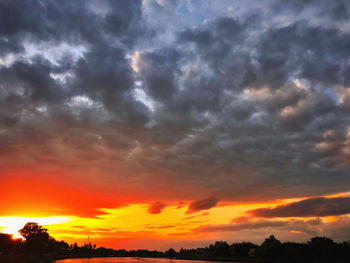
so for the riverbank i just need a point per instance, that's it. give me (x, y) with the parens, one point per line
(180, 259)
(210, 259)
(234, 260)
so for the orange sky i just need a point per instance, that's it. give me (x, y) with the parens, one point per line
(74, 214)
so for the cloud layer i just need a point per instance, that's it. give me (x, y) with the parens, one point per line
(176, 101)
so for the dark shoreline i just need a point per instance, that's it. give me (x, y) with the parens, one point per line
(25, 258)
(40, 247)
(235, 260)
(195, 258)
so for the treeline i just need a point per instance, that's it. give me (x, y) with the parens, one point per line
(318, 249)
(39, 246)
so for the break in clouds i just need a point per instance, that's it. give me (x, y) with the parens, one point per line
(242, 101)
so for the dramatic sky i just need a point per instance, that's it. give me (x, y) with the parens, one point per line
(158, 123)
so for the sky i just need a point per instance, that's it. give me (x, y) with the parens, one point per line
(160, 123)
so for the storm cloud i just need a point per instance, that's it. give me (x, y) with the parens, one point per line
(152, 100)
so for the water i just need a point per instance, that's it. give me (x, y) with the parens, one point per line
(128, 260)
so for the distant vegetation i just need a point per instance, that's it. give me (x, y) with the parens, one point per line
(39, 246)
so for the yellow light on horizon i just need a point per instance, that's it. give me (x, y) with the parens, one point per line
(11, 224)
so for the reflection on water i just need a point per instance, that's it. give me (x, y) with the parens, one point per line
(127, 260)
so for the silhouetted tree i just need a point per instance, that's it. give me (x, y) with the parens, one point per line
(242, 249)
(323, 248)
(345, 250)
(171, 253)
(270, 248)
(8, 244)
(36, 237)
(220, 249)
(292, 251)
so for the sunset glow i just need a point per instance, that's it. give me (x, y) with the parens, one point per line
(11, 225)
(122, 227)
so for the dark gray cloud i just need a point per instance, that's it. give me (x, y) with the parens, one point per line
(294, 229)
(215, 99)
(274, 93)
(156, 208)
(242, 226)
(311, 227)
(202, 204)
(318, 206)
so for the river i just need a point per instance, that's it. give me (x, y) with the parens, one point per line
(128, 260)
